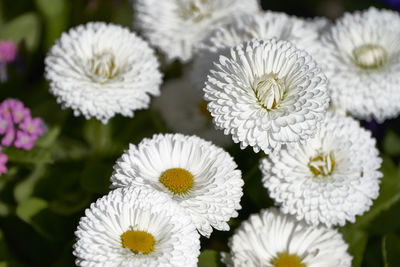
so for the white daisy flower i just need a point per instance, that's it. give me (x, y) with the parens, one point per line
(175, 26)
(185, 111)
(266, 25)
(266, 94)
(361, 58)
(272, 239)
(136, 227)
(100, 70)
(200, 176)
(329, 179)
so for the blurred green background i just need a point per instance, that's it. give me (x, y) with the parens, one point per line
(46, 190)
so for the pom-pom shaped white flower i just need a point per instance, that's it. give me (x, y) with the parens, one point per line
(267, 25)
(185, 111)
(100, 70)
(272, 239)
(176, 26)
(200, 176)
(329, 179)
(266, 94)
(361, 58)
(136, 227)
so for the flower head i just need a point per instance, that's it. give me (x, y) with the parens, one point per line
(328, 179)
(136, 226)
(17, 126)
(264, 26)
(273, 239)
(184, 111)
(361, 58)
(201, 177)
(100, 70)
(266, 94)
(176, 26)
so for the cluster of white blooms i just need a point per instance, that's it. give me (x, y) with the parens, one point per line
(267, 80)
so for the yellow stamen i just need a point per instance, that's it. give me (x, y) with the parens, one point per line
(370, 56)
(177, 180)
(138, 241)
(287, 260)
(322, 165)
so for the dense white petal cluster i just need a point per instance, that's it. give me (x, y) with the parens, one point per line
(361, 58)
(273, 239)
(267, 25)
(266, 94)
(329, 179)
(176, 26)
(183, 109)
(202, 177)
(100, 70)
(144, 210)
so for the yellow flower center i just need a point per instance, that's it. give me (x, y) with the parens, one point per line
(269, 91)
(322, 165)
(138, 241)
(177, 180)
(370, 56)
(196, 10)
(287, 260)
(103, 67)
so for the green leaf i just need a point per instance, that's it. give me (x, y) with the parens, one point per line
(23, 28)
(35, 155)
(27, 209)
(56, 19)
(51, 8)
(49, 137)
(357, 241)
(391, 250)
(209, 258)
(391, 144)
(30, 208)
(389, 192)
(24, 189)
(99, 137)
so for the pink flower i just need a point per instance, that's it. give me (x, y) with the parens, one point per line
(18, 111)
(5, 124)
(8, 138)
(3, 161)
(32, 126)
(8, 51)
(5, 108)
(24, 140)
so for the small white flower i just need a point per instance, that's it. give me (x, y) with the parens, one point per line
(183, 109)
(266, 94)
(100, 70)
(272, 239)
(200, 176)
(136, 227)
(361, 58)
(267, 25)
(329, 179)
(175, 26)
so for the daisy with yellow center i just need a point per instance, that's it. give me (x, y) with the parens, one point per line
(136, 227)
(273, 239)
(328, 179)
(200, 176)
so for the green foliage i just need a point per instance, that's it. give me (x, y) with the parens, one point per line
(391, 250)
(209, 258)
(23, 28)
